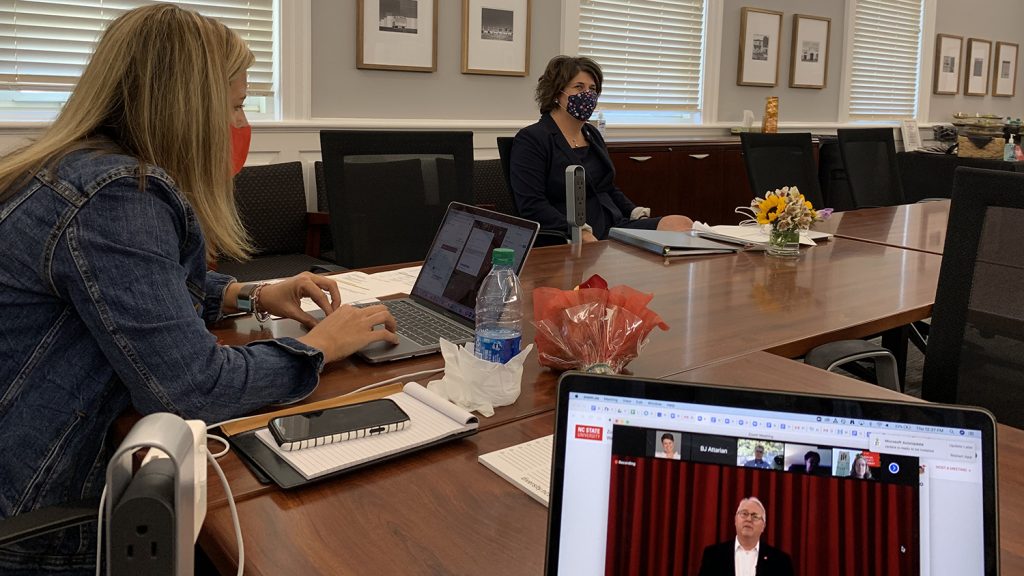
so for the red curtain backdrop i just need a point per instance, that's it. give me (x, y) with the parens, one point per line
(663, 513)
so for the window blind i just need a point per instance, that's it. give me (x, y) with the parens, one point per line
(651, 51)
(45, 44)
(885, 60)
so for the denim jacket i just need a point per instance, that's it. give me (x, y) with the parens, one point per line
(104, 300)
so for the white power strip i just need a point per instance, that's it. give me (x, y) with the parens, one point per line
(199, 454)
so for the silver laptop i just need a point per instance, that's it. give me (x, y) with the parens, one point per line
(443, 299)
(654, 477)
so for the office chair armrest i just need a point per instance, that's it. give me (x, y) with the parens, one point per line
(327, 269)
(314, 221)
(834, 354)
(44, 520)
(550, 238)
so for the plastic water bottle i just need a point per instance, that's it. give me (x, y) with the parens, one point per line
(601, 123)
(499, 310)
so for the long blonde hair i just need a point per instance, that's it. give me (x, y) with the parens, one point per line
(157, 85)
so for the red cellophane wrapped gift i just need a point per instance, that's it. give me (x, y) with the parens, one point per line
(592, 328)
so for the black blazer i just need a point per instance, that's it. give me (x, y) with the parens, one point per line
(540, 155)
(719, 560)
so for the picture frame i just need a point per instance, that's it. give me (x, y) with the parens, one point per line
(948, 62)
(979, 53)
(808, 60)
(1004, 70)
(760, 31)
(396, 35)
(496, 37)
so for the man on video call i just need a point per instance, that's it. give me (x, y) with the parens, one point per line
(758, 460)
(746, 555)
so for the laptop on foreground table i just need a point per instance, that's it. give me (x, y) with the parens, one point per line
(443, 299)
(648, 477)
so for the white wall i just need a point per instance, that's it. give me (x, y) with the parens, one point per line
(992, 20)
(805, 105)
(340, 90)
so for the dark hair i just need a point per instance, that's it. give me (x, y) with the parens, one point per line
(559, 72)
(667, 436)
(812, 455)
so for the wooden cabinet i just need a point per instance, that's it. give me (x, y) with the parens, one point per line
(702, 179)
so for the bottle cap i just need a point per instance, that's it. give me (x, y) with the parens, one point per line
(503, 256)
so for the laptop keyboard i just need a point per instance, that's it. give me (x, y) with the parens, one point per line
(422, 327)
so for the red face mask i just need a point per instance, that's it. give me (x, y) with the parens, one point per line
(240, 138)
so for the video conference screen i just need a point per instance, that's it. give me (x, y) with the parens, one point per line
(654, 487)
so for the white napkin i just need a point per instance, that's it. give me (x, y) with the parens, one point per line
(477, 384)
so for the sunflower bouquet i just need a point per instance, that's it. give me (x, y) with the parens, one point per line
(785, 209)
(786, 212)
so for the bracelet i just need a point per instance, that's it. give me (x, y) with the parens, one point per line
(262, 316)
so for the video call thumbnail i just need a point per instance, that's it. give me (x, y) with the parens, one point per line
(676, 498)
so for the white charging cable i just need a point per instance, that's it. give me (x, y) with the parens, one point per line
(99, 530)
(234, 511)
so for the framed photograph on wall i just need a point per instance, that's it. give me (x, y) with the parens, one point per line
(978, 53)
(496, 37)
(1004, 70)
(396, 35)
(808, 60)
(947, 64)
(760, 31)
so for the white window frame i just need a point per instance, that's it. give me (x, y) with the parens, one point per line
(294, 61)
(925, 61)
(293, 71)
(709, 81)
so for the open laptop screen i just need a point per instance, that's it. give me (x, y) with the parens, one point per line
(656, 478)
(460, 255)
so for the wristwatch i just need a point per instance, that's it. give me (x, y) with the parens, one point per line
(243, 302)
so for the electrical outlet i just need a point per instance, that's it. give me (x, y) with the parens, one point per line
(142, 526)
(155, 514)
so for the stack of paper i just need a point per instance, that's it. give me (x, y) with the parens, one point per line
(527, 466)
(360, 287)
(753, 237)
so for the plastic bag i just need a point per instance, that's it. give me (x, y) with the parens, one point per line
(592, 329)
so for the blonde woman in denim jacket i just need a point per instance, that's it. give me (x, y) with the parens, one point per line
(107, 222)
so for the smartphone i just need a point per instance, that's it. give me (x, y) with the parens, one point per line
(370, 418)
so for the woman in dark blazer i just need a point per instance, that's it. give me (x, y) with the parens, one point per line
(567, 94)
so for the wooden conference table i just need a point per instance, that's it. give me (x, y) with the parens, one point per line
(441, 512)
(920, 226)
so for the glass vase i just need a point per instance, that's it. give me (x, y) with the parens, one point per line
(783, 243)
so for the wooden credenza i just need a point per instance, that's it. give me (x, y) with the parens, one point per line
(704, 179)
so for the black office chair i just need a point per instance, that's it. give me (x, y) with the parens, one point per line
(490, 190)
(544, 237)
(975, 352)
(976, 346)
(869, 159)
(388, 190)
(326, 242)
(271, 202)
(777, 160)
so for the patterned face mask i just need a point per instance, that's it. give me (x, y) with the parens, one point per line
(581, 105)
